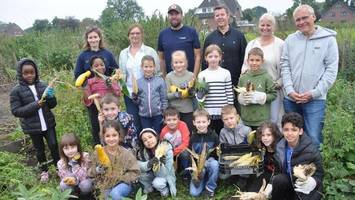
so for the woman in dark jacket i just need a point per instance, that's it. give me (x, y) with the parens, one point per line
(35, 115)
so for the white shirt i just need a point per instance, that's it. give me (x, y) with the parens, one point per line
(40, 112)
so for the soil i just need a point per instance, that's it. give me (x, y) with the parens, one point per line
(8, 122)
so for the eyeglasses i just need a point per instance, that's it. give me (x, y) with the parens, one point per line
(135, 33)
(304, 18)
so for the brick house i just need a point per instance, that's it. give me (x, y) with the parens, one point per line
(205, 11)
(339, 12)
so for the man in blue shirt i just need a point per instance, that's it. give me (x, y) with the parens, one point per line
(178, 37)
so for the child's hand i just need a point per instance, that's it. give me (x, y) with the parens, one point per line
(101, 117)
(135, 98)
(152, 162)
(177, 94)
(163, 159)
(71, 181)
(100, 169)
(41, 103)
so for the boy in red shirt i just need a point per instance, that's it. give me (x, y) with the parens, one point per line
(176, 132)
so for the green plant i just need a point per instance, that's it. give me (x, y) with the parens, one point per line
(28, 194)
(139, 196)
(57, 194)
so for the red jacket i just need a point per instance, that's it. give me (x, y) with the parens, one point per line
(185, 136)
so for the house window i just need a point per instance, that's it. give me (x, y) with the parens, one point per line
(203, 10)
(338, 6)
(344, 13)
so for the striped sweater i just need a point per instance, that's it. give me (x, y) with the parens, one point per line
(220, 89)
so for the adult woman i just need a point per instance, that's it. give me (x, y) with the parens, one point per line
(130, 63)
(94, 45)
(272, 47)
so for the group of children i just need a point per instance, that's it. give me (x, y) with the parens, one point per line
(132, 153)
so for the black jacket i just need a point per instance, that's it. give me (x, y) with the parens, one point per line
(24, 106)
(305, 153)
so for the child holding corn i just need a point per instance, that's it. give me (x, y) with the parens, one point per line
(180, 87)
(156, 164)
(72, 167)
(34, 112)
(205, 174)
(113, 168)
(97, 85)
(110, 110)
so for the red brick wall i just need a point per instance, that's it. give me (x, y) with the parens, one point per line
(335, 14)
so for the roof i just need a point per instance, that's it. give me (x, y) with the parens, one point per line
(232, 5)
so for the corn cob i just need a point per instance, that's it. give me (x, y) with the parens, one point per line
(246, 159)
(252, 195)
(50, 85)
(81, 79)
(302, 172)
(231, 157)
(134, 85)
(102, 156)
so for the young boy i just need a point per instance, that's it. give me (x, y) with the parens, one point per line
(294, 149)
(234, 131)
(35, 115)
(110, 107)
(207, 180)
(151, 97)
(177, 133)
(260, 92)
(179, 84)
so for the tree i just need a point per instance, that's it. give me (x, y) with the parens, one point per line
(248, 14)
(121, 10)
(258, 11)
(316, 6)
(41, 25)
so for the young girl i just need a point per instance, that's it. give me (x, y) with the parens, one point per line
(179, 84)
(267, 135)
(97, 85)
(36, 117)
(114, 179)
(163, 179)
(219, 81)
(72, 167)
(151, 97)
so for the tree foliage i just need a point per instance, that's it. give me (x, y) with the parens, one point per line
(315, 5)
(41, 25)
(253, 14)
(121, 10)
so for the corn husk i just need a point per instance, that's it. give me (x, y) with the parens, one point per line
(50, 85)
(198, 167)
(246, 160)
(160, 151)
(102, 156)
(302, 172)
(252, 195)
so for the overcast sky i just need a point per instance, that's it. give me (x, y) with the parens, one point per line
(25, 12)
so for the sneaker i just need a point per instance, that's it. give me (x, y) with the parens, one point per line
(186, 176)
(44, 177)
(165, 192)
(208, 194)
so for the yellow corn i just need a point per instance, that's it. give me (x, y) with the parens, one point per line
(81, 79)
(102, 156)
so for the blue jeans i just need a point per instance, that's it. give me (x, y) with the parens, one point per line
(152, 122)
(313, 117)
(209, 180)
(119, 191)
(132, 108)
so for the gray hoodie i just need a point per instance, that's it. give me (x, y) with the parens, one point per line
(234, 136)
(310, 64)
(152, 95)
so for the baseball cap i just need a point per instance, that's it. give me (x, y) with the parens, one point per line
(175, 7)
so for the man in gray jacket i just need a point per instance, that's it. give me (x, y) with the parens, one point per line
(309, 66)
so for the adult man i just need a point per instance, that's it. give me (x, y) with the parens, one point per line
(178, 37)
(231, 41)
(309, 66)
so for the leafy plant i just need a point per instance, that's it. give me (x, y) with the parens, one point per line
(139, 196)
(28, 194)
